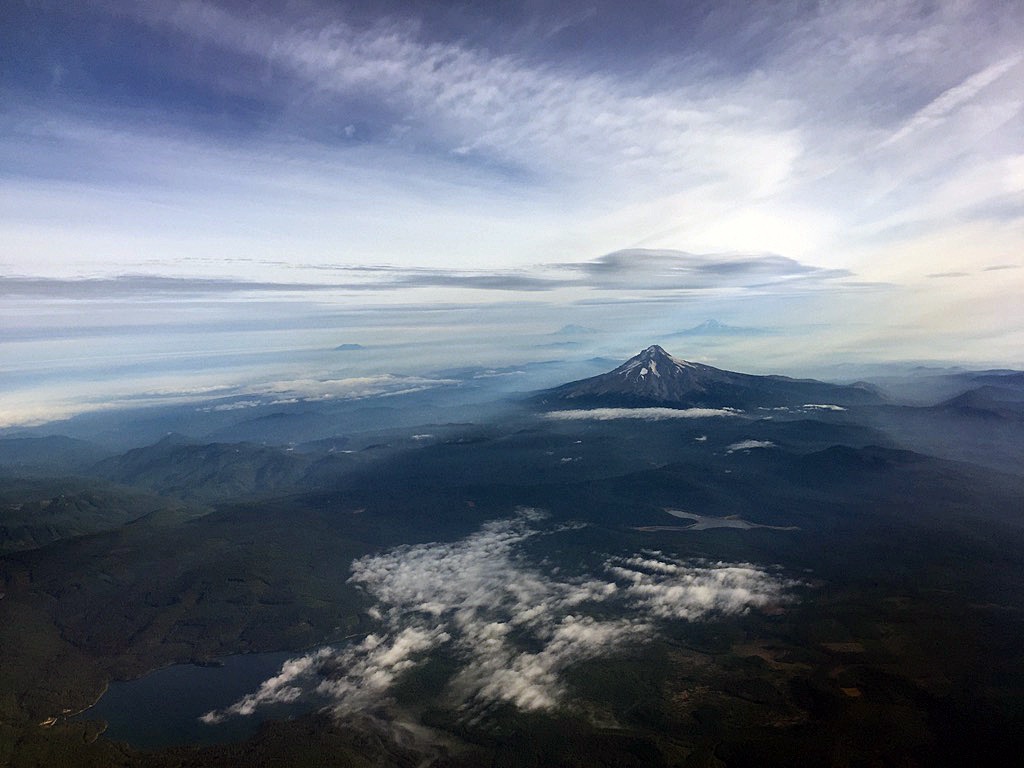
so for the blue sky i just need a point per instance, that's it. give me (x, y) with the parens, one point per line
(858, 166)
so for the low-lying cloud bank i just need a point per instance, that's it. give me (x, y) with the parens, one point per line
(352, 388)
(514, 626)
(318, 390)
(746, 445)
(645, 414)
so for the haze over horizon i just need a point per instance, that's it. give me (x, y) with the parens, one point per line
(213, 197)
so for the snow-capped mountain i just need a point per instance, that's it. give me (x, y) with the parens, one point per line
(717, 328)
(656, 377)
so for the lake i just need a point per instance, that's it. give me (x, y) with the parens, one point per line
(163, 708)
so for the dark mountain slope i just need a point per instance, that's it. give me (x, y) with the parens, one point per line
(48, 454)
(987, 401)
(181, 469)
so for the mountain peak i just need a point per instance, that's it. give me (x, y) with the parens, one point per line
(653, 361)
(712, 325)
(655, 351)
(718, 328)
(654, 377)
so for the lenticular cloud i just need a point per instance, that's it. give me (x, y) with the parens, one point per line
(513, 625)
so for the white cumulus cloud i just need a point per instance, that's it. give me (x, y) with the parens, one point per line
(513, 624)
(746, 445)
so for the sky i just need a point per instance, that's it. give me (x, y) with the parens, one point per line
(849, 175)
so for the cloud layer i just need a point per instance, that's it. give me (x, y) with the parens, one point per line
(515, 625)
(644, 414)
(637, 269)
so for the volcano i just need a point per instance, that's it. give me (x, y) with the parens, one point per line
(656, 378)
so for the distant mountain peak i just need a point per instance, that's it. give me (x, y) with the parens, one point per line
(718, 328)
